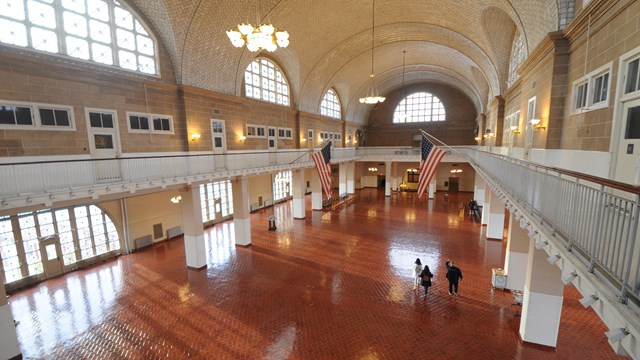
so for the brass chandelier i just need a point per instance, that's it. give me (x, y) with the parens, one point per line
(261, 37)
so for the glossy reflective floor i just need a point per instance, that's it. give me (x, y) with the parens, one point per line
(337, 285)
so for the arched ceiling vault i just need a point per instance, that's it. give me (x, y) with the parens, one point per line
(464, 43)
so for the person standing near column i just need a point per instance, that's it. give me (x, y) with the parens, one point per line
(453, 275)
(417, 269)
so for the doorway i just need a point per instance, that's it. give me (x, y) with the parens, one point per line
(104, 143)
(629, 147)
(453, 184)
(51, 256)
(219, 143)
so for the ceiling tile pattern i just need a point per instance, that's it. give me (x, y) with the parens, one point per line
(464, 41)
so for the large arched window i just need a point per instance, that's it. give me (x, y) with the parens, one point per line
(264, 81)
(84, 232)
(419, 107)
(330, 105)
(103, 31)
(517, 57)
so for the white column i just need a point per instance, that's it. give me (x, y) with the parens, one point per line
(195, 248)
(351, 177)
(432, 188)
(517, 257)
(9, 347)
(342, 175)
(485, 205)
(241, 219)
(316, 191)
(387, 178)
(495, 221)
(542, 300)
(358, 175)
(478, 190)
(299, 189)
(394, 176)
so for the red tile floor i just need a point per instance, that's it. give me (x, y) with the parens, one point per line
(337, 285)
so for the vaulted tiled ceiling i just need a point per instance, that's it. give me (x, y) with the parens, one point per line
(464, 43)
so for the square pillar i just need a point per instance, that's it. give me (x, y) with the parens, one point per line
(342, 175)
(387, 178)
(241, 219)
(394, 178)
(517, 257)
(479, 190)
(495, 220)
(351, 177)
(542, 300)
(316, 191)
(484, 220)
(195, 248)
(299, 189)
(9, 347)
(432, 188)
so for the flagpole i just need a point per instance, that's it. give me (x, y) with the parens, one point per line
(322, 144)
(447, 146)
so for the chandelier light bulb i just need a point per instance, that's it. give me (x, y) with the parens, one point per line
(245, 29)
(267, 29)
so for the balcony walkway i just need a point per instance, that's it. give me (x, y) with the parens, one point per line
(335, 286)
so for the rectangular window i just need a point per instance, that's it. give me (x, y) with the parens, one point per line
(591, 92)
(153, 123)
(34, 116)
(600, 88)
(101, 120)
(285, 133)
(412, 175)
(632, 83)
(580, 96)
(255, 131)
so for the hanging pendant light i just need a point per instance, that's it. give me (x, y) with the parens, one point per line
(403, 116)
(372, 96)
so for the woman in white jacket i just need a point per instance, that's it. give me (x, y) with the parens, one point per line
(417, 270)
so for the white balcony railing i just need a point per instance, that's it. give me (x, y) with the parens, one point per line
(33, 178)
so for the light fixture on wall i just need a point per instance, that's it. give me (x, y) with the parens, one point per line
(514, 129)
(373, 169)
(616, 334)
(568, 278)
(242, 138)
(195, 137)
(372, 96)
(588, 300)
(176, 199)
(536, 124)
(553, 259)
(455, 171)
(261, 37)
(488, 133)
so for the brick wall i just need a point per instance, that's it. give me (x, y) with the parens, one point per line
(457, 129)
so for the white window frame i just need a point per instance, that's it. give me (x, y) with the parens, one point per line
(590, 81)
(62, 34)
(151, 118)
(35, 116)
(281, 90)
(330, 105)
(256, 131)
(287, 133)
(624, 62)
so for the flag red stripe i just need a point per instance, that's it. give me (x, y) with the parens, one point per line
(428, 168)
(324, 173)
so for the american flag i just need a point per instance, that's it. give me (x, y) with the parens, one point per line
(322, 159)
(431, 156)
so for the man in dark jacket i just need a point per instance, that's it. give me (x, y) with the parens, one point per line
(453, 275)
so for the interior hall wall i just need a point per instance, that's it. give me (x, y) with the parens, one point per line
(146, 210)
(457, 129)
(611, 35)
(260, 185)
(30, 76)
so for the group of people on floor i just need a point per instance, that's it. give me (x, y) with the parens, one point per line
(423, 276)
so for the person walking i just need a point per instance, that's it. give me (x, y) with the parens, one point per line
(417, 269)
(425, 279)
(453, 275)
